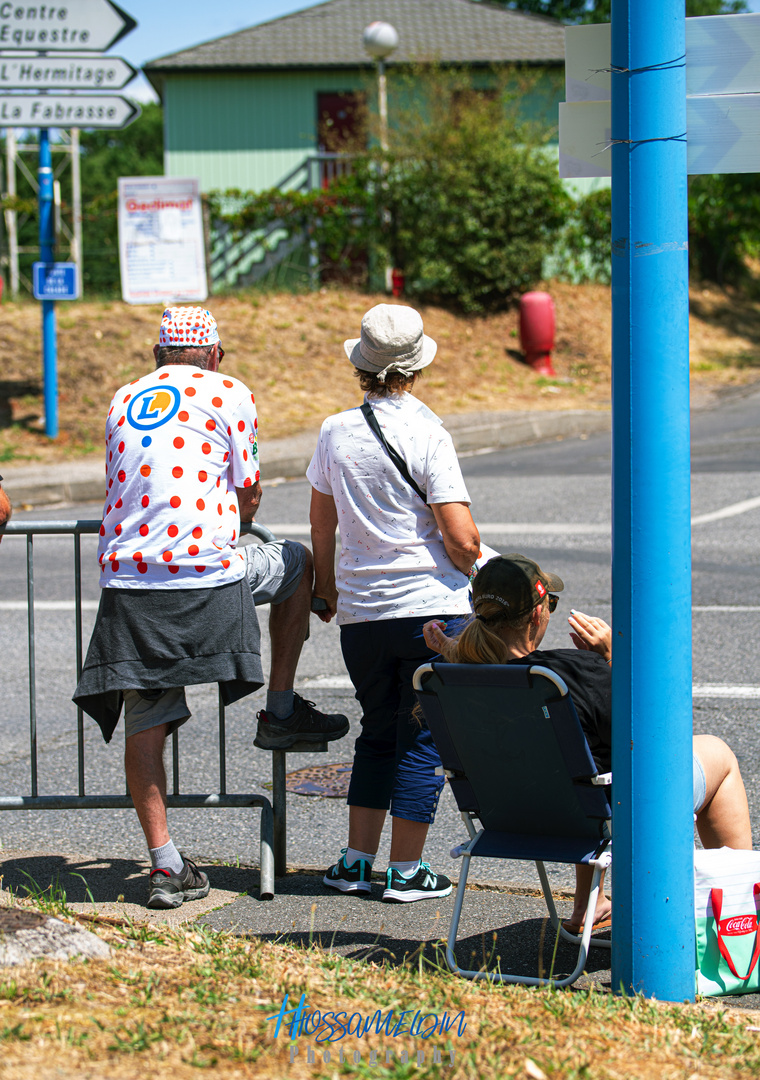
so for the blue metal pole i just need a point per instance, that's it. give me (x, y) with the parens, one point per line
(653, 913)
(47, 242)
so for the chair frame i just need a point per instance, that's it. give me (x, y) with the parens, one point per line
(600, 861)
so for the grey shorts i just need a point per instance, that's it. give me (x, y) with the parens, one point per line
(145, 709)
(274, 570)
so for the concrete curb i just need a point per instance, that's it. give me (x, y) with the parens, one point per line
(82, 481)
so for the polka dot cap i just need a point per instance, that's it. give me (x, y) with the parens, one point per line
(193, 326)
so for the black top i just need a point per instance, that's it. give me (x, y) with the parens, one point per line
(589, 680)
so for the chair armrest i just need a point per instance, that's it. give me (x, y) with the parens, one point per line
(602, 779)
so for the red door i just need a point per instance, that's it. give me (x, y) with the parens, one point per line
(341, 129)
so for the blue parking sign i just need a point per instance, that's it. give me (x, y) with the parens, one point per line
(55, 281)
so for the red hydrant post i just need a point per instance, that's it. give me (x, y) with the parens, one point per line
(537, 331)
(398, 281)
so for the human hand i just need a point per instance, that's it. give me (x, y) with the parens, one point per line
(324, 607)
(436, 640)
(591, 634)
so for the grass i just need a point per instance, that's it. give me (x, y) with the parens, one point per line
(193, 1000)
(289, 348)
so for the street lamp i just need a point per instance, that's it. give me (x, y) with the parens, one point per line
(380, 39)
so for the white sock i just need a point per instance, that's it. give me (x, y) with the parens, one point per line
(406, 869)
(352, 854)
(166, 857)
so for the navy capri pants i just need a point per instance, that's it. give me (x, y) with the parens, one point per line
(394, 757)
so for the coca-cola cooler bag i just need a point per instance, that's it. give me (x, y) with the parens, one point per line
(726, 897)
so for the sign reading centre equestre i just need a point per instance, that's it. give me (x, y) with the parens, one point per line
(74, 25)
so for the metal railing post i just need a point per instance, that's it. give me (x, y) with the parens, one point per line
(279, 806)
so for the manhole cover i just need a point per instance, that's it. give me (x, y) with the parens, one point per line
(18, 919)
(327, 781)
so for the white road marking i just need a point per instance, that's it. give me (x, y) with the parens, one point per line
(700, 690)
(47, 605)
(716, 690)
(543, 528)
(727, 511)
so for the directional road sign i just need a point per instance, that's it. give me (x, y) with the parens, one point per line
(723, 135)
(55, 281)
(66, 72)
(722, 57)
(70, 26)
(65, 111)
(722, 103)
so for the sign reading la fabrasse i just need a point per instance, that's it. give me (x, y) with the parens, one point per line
(73, 25)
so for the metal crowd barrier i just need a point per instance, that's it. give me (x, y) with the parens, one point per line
(273, 815)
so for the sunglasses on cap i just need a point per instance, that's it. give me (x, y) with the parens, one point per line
(553, 601)
(220, 351)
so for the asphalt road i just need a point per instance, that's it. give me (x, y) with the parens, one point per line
(551, 501)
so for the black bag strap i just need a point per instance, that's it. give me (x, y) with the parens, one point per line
(394, 455)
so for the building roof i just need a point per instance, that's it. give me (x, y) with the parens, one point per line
(330, 35)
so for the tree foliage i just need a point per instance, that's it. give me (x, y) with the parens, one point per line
(594, 11)
(136, 150)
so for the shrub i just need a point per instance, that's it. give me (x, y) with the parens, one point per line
(474, 204)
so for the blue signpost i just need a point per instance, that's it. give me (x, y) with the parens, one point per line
(653, 919)
(47, 242)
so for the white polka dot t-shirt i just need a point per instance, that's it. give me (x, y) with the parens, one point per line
(393, 562)
(178, 443)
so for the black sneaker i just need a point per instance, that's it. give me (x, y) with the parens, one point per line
(305, 724)
(354, 878)
(169, 890)
(424, 884)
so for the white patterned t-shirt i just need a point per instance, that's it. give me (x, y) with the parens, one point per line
(393, 562)
(178, 443)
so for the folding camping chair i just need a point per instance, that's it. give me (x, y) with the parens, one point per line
(516, 758)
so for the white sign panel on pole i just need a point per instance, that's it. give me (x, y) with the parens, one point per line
(57, 110)
(66, 72)
(161, 248)
(722, 57)
(70, 26)
(723, 135)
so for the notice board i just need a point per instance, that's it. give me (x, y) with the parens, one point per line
(161, 249)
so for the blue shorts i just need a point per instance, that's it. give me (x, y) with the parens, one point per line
(394, 757)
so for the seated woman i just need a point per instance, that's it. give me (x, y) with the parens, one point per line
(513, 600)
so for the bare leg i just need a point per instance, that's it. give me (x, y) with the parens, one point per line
(583, 878)
(146, 777)
(407, 839)
(288, 623)
(365, 825)
(723, 820)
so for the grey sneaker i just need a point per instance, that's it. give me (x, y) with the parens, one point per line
(305, 724)
(170, 890)
(425, 884)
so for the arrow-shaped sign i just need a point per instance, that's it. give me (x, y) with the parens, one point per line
(723, 135)
(66, 111)
(66, 72)
(72, 26)
(722, 57)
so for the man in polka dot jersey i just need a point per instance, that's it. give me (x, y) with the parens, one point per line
(178, 598)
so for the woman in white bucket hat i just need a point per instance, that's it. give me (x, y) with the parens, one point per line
(387, 476)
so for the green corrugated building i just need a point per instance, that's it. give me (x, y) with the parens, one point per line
(246, 110)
